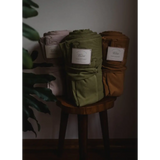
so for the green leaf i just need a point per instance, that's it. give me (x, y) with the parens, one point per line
(29, 2)
(30, 114)
(29, 12)
(29, 79)
(43, 93)
(34, 55)
(30, 33)
(27, 61)
(29, 100)
(27, 125)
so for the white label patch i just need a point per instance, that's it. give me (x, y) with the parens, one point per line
(81, 56)
(115, 54)
(52, 51)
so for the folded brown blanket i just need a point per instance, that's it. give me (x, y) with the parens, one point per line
(115, 49)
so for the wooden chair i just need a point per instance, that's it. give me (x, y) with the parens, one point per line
(82, 113)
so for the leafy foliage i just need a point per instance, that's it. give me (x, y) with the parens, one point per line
(33, 97)
(27, 60)
(30, 33)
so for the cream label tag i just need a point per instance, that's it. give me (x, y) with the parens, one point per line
(81, 56)
(115, 54)
(52, 51)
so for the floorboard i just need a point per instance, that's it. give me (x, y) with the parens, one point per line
(42, 151)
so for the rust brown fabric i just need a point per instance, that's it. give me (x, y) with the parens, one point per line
(114, 71)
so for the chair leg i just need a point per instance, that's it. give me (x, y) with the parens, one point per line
(82, 133)
(62, 131)
(105, 132)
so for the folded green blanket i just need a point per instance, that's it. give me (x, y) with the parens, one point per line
(82, 51)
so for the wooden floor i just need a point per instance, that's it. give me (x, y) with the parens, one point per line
(74, 155)
(118, 152)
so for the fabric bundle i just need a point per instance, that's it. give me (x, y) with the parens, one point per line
(82, 51)
(49, 44)
(115, 49)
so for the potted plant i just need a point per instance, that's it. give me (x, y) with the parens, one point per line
(33, 96)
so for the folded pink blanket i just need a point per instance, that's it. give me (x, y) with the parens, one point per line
(50, 43)
(51, 52)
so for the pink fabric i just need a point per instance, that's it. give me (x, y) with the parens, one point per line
(54, 38)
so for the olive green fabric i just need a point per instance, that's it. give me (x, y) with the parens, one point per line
(84, 82)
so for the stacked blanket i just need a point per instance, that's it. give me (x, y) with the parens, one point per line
(115, 49)
(51, 52)
(82, 51)
(50, 43)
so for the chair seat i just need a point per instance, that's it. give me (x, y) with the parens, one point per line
(104, 104)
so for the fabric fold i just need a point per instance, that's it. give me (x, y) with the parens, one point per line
(51, 52)
(50, 43)
(82, 52)
(115, 47)
(80, 74)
